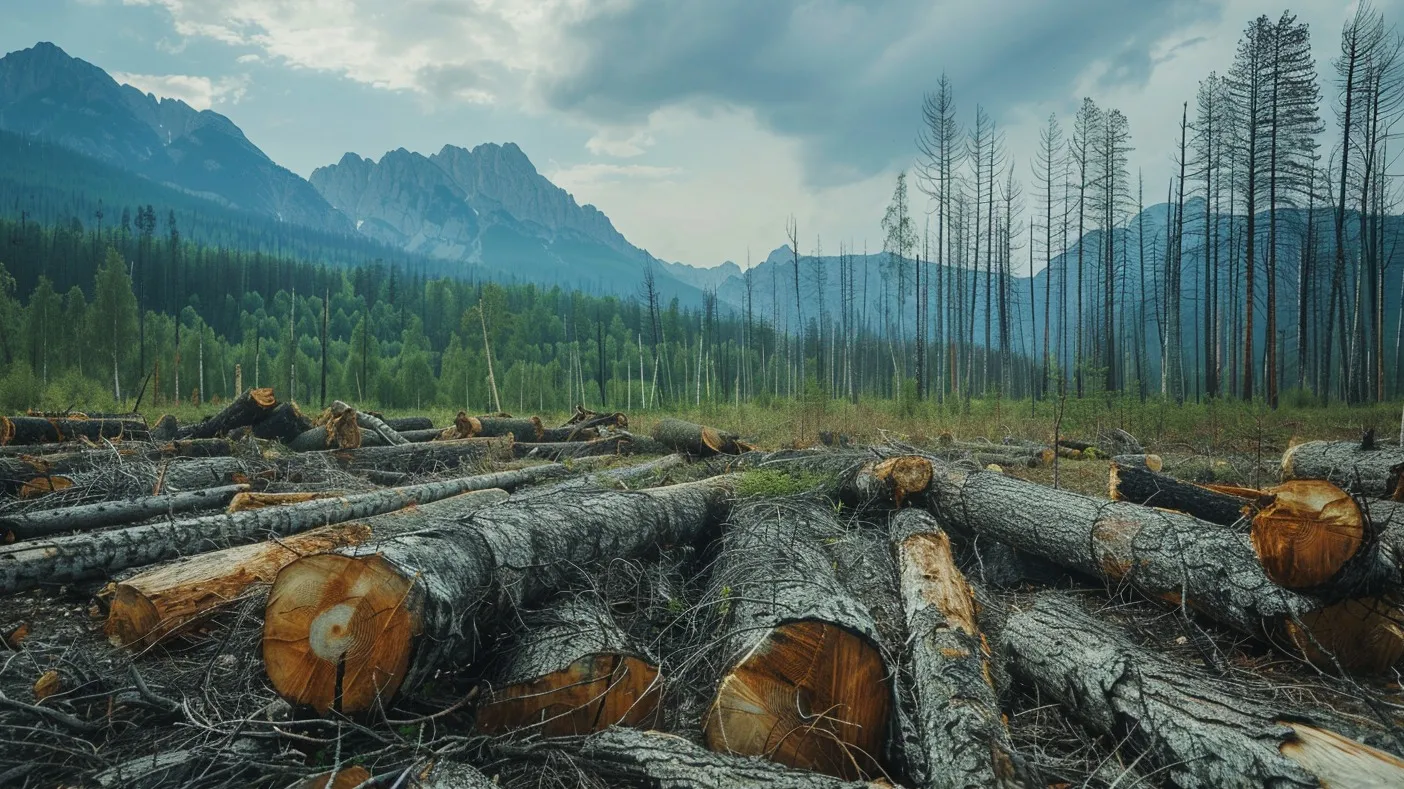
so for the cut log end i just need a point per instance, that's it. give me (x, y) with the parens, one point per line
(43, 486)
(1338, 760)
(810, 695)
(338, 631)
(905, 476)
(1364, 634)
(591, 694)
(263, 397)
(1306, 531)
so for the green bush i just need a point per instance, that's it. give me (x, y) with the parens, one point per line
(19, 389)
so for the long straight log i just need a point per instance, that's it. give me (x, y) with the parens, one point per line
(655, 760)
(1140, 485)
(256, 500)
(1376, 473)
(1167, 556)
(562, 450)
(553, 435)
(524, 430)
(805, 683)
(1149, 462)
(964, 738)
(345, 629)
(402, 423)
(40, 523)
(248, 408)
(44, 430)
(1200, 732)
(696, 440)
(81, 557)
(571, 671)
(165, 600)
(855, 477)
(422, 458)
(421, 436)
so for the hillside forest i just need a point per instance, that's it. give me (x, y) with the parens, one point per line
(1273, 274)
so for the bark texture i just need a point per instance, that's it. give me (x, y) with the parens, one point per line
(80, 557)
(347, 628)
(1140, 485)
(964, 739)
(44, 430)
(562, 450)
(805, 683)
(246, 409)
(524, 430)
(1200, 732)
(403, 423)
(40, 523)
(284, 423)
(1376, 473)
(1148, 462)
(696, 440)
(422, 458)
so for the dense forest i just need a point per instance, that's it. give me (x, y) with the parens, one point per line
(1270, 270)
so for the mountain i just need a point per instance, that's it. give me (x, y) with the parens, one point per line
(46, 93)
(705, 278)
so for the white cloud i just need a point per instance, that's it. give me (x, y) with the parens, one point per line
(619, 143)
(202, 93)
(249, 58)
(596, 172)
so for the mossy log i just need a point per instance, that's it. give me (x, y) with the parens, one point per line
(655, 760)
(46, 430)
(1165, 556)
(963, 735)
(165, 600)
(82, 517)
(422, 458)
(571, 670)
(81, 557)
(696, 440)
(855, 477)
(1199, 731)
(347, 628)
(247, 409)
(1376, 472)
(804, 681)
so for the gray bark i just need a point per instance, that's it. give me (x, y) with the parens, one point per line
(29, 525)
(562, 450)
(525, 430)
(417, 458)
(403, 423)
(696, 440)
(1140, 485)
(81, 557)
(1377, 472)
(248, 408)
(445, 774)
(1199, 731)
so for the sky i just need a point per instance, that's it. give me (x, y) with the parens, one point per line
(697, 126)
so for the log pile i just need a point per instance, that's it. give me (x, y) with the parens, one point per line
(354, 599)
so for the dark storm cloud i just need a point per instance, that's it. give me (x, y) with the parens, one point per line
(847, 77)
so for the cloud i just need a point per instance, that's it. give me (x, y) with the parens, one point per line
(202, 93)
(249, 58)
(596, 172)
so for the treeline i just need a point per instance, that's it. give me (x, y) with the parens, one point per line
(1274, 269)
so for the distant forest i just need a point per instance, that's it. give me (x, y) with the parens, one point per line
(1296, 291)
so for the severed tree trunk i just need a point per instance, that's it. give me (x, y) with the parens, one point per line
(18, 474)
(561, 450)
(421, 436)
(1149, 462)
(243, 502)
(805, 684)
(524, 430)
(284, 423)
(44, 430)
(561, 434)
(247, 409)
(696, 440)
(1201, 732)
(964, 739)
(159, 602)
(81, 557)
(39, 523)
(422, 458)
(403, 423)
(655, 760)
(571, 671)
(855, 477)
(341, 431)
(1377, 473)
(1166, 556)
(347, 628)
(1140, 485)
(371, 423)
(463, 426)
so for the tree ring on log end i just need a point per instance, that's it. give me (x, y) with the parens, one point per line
(905, 476)
(810, 695)
(139, 617)
(1363, 634)
(1306, 532)
(338, 631)
(593, 693)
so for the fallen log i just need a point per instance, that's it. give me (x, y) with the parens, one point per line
(696, 440)
(284, 423)
(524, 430)
(1377, 472)
(370, 422)
(463, 426)
(553, 435)
(805, 684)
(422, 458)
(342, 430)
(421, 436)
(655, 760)
(348, 777)
(1119, 442)
(253, 500)
(81, 557)
(855, 477)
(1076, 444)
(985, 459)
(963, 736)
(345, 629)
(1148, 462)
(17, 472)
(246, 409)
(447, 774)
(403, 423)
(165, 600)
(165, 429)
(40, 523)
(1165, 556)
(562, 450)
(1140, 485)
(1199, 731)
(571, 671)
(46, 430)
